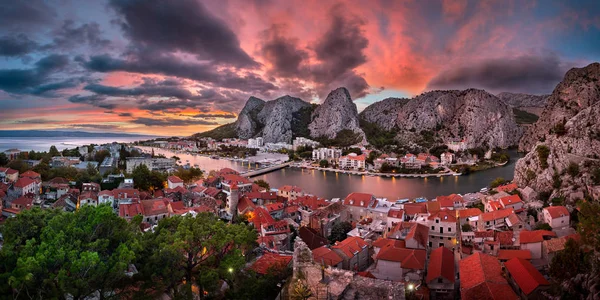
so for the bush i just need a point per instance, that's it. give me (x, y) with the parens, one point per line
(573, 169)
(556, 181)
(497, 182)
(560, 129)
(543, 226)
(543, 152)
(324, 163)
(596, 175)
(466, 227)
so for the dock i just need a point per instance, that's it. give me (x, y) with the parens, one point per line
(266, 170)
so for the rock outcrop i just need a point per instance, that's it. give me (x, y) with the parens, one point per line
(563, 144)
(476, 116)
(247, 123)
(336, 113)
(276, 119)
(519, 100)
(384, 113)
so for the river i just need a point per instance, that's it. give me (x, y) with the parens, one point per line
(337, 185)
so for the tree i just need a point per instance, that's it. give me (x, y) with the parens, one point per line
(300, 291)
(263, 184)
(569, 262)
(101, 155)
(53, 151)
(324, 163)
(18, 165)
(543, 226)
(497, 182)
(3, 159)
(573, 169)
(75, 254)
(466, 227)
(589, 224)
(338, 231)
(147, 180)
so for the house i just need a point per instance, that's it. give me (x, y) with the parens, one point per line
(21, 203)
(357, 205)
(556, 216)
(414, 210)
(312, 238)
(451, 202)
(174, 182)
(325, 256)
(446, 158)
(290, 192)
(481, 278)
(516, 223)
(88, 198)
(12, 153)
(469, 216)
(415, 235)
(552, 246)
(525, 279)
(394, 217)
(532, 241)
(126, 195)
(354, 253)
(506, 254)
(512, 201)
(244, 185)
(154, 210)
(271, 262)
(90, 187)
(494, 219)
(8, 175)
(493, 205)
(275, 209)
(440, 271)
(352, 161)
(129, 210)
(106, 197)
(507, 188)
(409, 161)
(395, 263)
(25, 185)
(442, 229)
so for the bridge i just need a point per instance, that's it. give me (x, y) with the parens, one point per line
(266, 170)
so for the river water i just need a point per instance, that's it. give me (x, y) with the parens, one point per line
(337, 185)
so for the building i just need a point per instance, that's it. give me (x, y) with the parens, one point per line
(525, 279)
(481, 278)
(451, 202)
(532, 241)
(303, 142)
(88, 198)
(154, 210)
(291, 192)
(256, 143)
(25, 185)
(469, 216)
(395, 262)
(440, 271)
(352, 161)
(552, 246)
(409, 161)
(64, 161)
(442, 229)
(155, 163)
(446, 158)
(107, 165)
(106, 197)
(354, 253)
(90, 187)
(325, 256)
(457, 146)
(414, 235)
(494, 219)
(556, 216)
(329, 154)
(512, 201)
(174, 182)
(12, 153)
(357, 205)
(271, 261)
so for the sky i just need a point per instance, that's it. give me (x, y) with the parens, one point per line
(179, 67)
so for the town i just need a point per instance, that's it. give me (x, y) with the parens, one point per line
(497, 243)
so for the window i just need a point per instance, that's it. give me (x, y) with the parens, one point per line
(430, 244)
(432, 227)
(449, 229)
(441, 245)
(440, 280)
(449, 238)
(491, 247)
(437, 221)
(441, 229)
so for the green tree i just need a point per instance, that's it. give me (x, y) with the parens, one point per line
(543, 153)
(263, 184)
(497, 182)
(300, 291)
(573, 169)
(543, 226)
(147, 180)
(589, 224)
(18, 165)
(339, 231)
(53, 151)
(324, 163)
(3, 159)
(74, 254)
(189, 175)
(466, 227)
(101, 155)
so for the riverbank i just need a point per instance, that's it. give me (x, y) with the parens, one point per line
(373, 174)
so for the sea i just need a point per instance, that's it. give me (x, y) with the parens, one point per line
(61, 143)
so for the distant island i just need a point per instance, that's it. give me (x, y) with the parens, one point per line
(59, 133)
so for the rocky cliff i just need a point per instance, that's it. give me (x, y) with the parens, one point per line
(519, 100)
(276, 119)
(384, 113)
(247, 123)
(563, 158)
(335, 114)
(476, 116)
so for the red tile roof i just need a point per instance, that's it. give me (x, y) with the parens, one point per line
(227, 171)
(130, 210)
(260, 216)
(504, 237)
(245, 204)
(509, 254)
(507, 188)
(290, 188)
(495, 205)
(444, 216)
(360, 199)
(554, 245)
(433, 206)
(312, 238)
(272, 196)
(441, 264)
(557, 211)
(448, 201)
(10, 171)
(174, 179)
(509, 200)
(384, 242)
(484, 234)
(525, 275)
(234, 178)
(274, 207)
(154, 207)
(481, 278)
(24, 182)
(496, 215)
(469, 212)
(31, 174)
(408, 258)
(312, 202)
(536, 236)
(271, 261)
(415, 208)
(326, 256)
(350, 246)
(396, 213)
(420, 233)
(126, 193)
(212, 191)
(24, 201)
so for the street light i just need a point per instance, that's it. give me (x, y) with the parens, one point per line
(230, 270)
(411, 287)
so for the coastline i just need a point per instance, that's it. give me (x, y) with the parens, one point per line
(366, 173)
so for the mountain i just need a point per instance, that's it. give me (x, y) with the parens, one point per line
(519, 100)
(338, 112)
(247, 123)
(563, 158)
(384, 113)
(60, 133)
(276, 119)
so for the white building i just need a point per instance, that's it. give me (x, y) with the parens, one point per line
(326, 154)
(156, 163)
(352, 161)
(457, 146)
(446, 158)
(556, 216)
(442, 231)
(256, 143)
(300, 141)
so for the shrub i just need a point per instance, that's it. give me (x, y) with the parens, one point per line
(573, 169)
(497, 182)
(543, 152)
(543, 226)
(466, 227)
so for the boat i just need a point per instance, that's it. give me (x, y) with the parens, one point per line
(483, 190)
(215, 157)
(402, 201)
(420, 200)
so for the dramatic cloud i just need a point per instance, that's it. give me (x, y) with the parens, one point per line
(213, 116)
(95, 100)
(171, 122)
(33, 81)
(25, 14)
(282, 52)
(69, 36)
(184, 25)
(533, 74)
(16, 45)
(96, 126)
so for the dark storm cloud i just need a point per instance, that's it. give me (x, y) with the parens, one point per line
(17, 45)
(529, 73)
(170, 65)
(34, 80)
(95, 100)
(148, 91)
(185, 26)
(17, 14)
(213, 116)
(96, 126)
(282, 52)
(125, 114)
(171, 122)
(68, 36)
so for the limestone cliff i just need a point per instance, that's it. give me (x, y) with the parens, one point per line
(335, 114)
(276, 119)
(384, 113)
(247, 123)
(564, 155)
